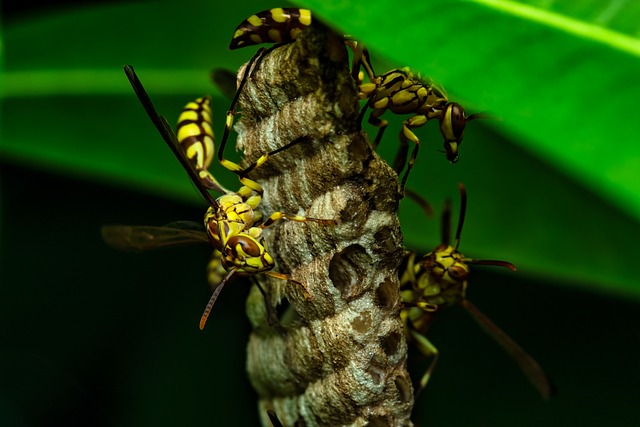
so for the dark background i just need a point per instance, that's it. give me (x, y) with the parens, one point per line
(92, 336)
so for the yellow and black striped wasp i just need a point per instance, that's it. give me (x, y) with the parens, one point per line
(400, 91)
(439, 279)
(403, 91)
(232, 223)
(277, 25)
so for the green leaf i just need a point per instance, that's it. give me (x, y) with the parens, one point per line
(69, 106)
(553, 185)
(563, 86)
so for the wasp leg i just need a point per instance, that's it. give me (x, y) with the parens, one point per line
(274, 418)
(252, 66)
(366, 63)
(429, 350)
(360, 58)
(407, 135)
(252, 185)
(305, 290)
(242, 172)
(381, 124)
(228, 164)
(272, 316)
(277, 216)
(215, 270)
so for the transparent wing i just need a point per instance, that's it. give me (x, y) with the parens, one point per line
(527, 364)
(141, 238)
(225, 81)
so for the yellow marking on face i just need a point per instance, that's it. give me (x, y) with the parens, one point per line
(275, 35)
(255, 38)
(448, 129)
(305, 17)
(238, 33)
(278, 15)
(254, 20)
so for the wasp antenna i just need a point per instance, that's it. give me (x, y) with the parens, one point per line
(482, 116)
(214, 297)
(463, 212)
(527, 364)
(225, 81)
(420, 201)
(445, 223)
(273, 418)
(505, 264)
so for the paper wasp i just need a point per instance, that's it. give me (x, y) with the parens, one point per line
(232, 223)
(400, 91)
(439, 279)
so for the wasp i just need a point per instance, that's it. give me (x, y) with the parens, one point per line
(401, 91)
(278, 25)
(438, 280)
(232, 224)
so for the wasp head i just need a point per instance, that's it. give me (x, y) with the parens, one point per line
(452, 125)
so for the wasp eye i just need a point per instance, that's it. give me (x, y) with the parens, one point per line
(458, 120)
(248, 245)
(458, 272)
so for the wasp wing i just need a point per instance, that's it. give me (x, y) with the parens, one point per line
(225, 81)
(141, 238)
(527, 364)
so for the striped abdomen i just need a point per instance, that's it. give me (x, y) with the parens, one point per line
(279, 25)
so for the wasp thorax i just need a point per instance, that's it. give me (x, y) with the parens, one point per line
(241, 212)
(235, 209)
